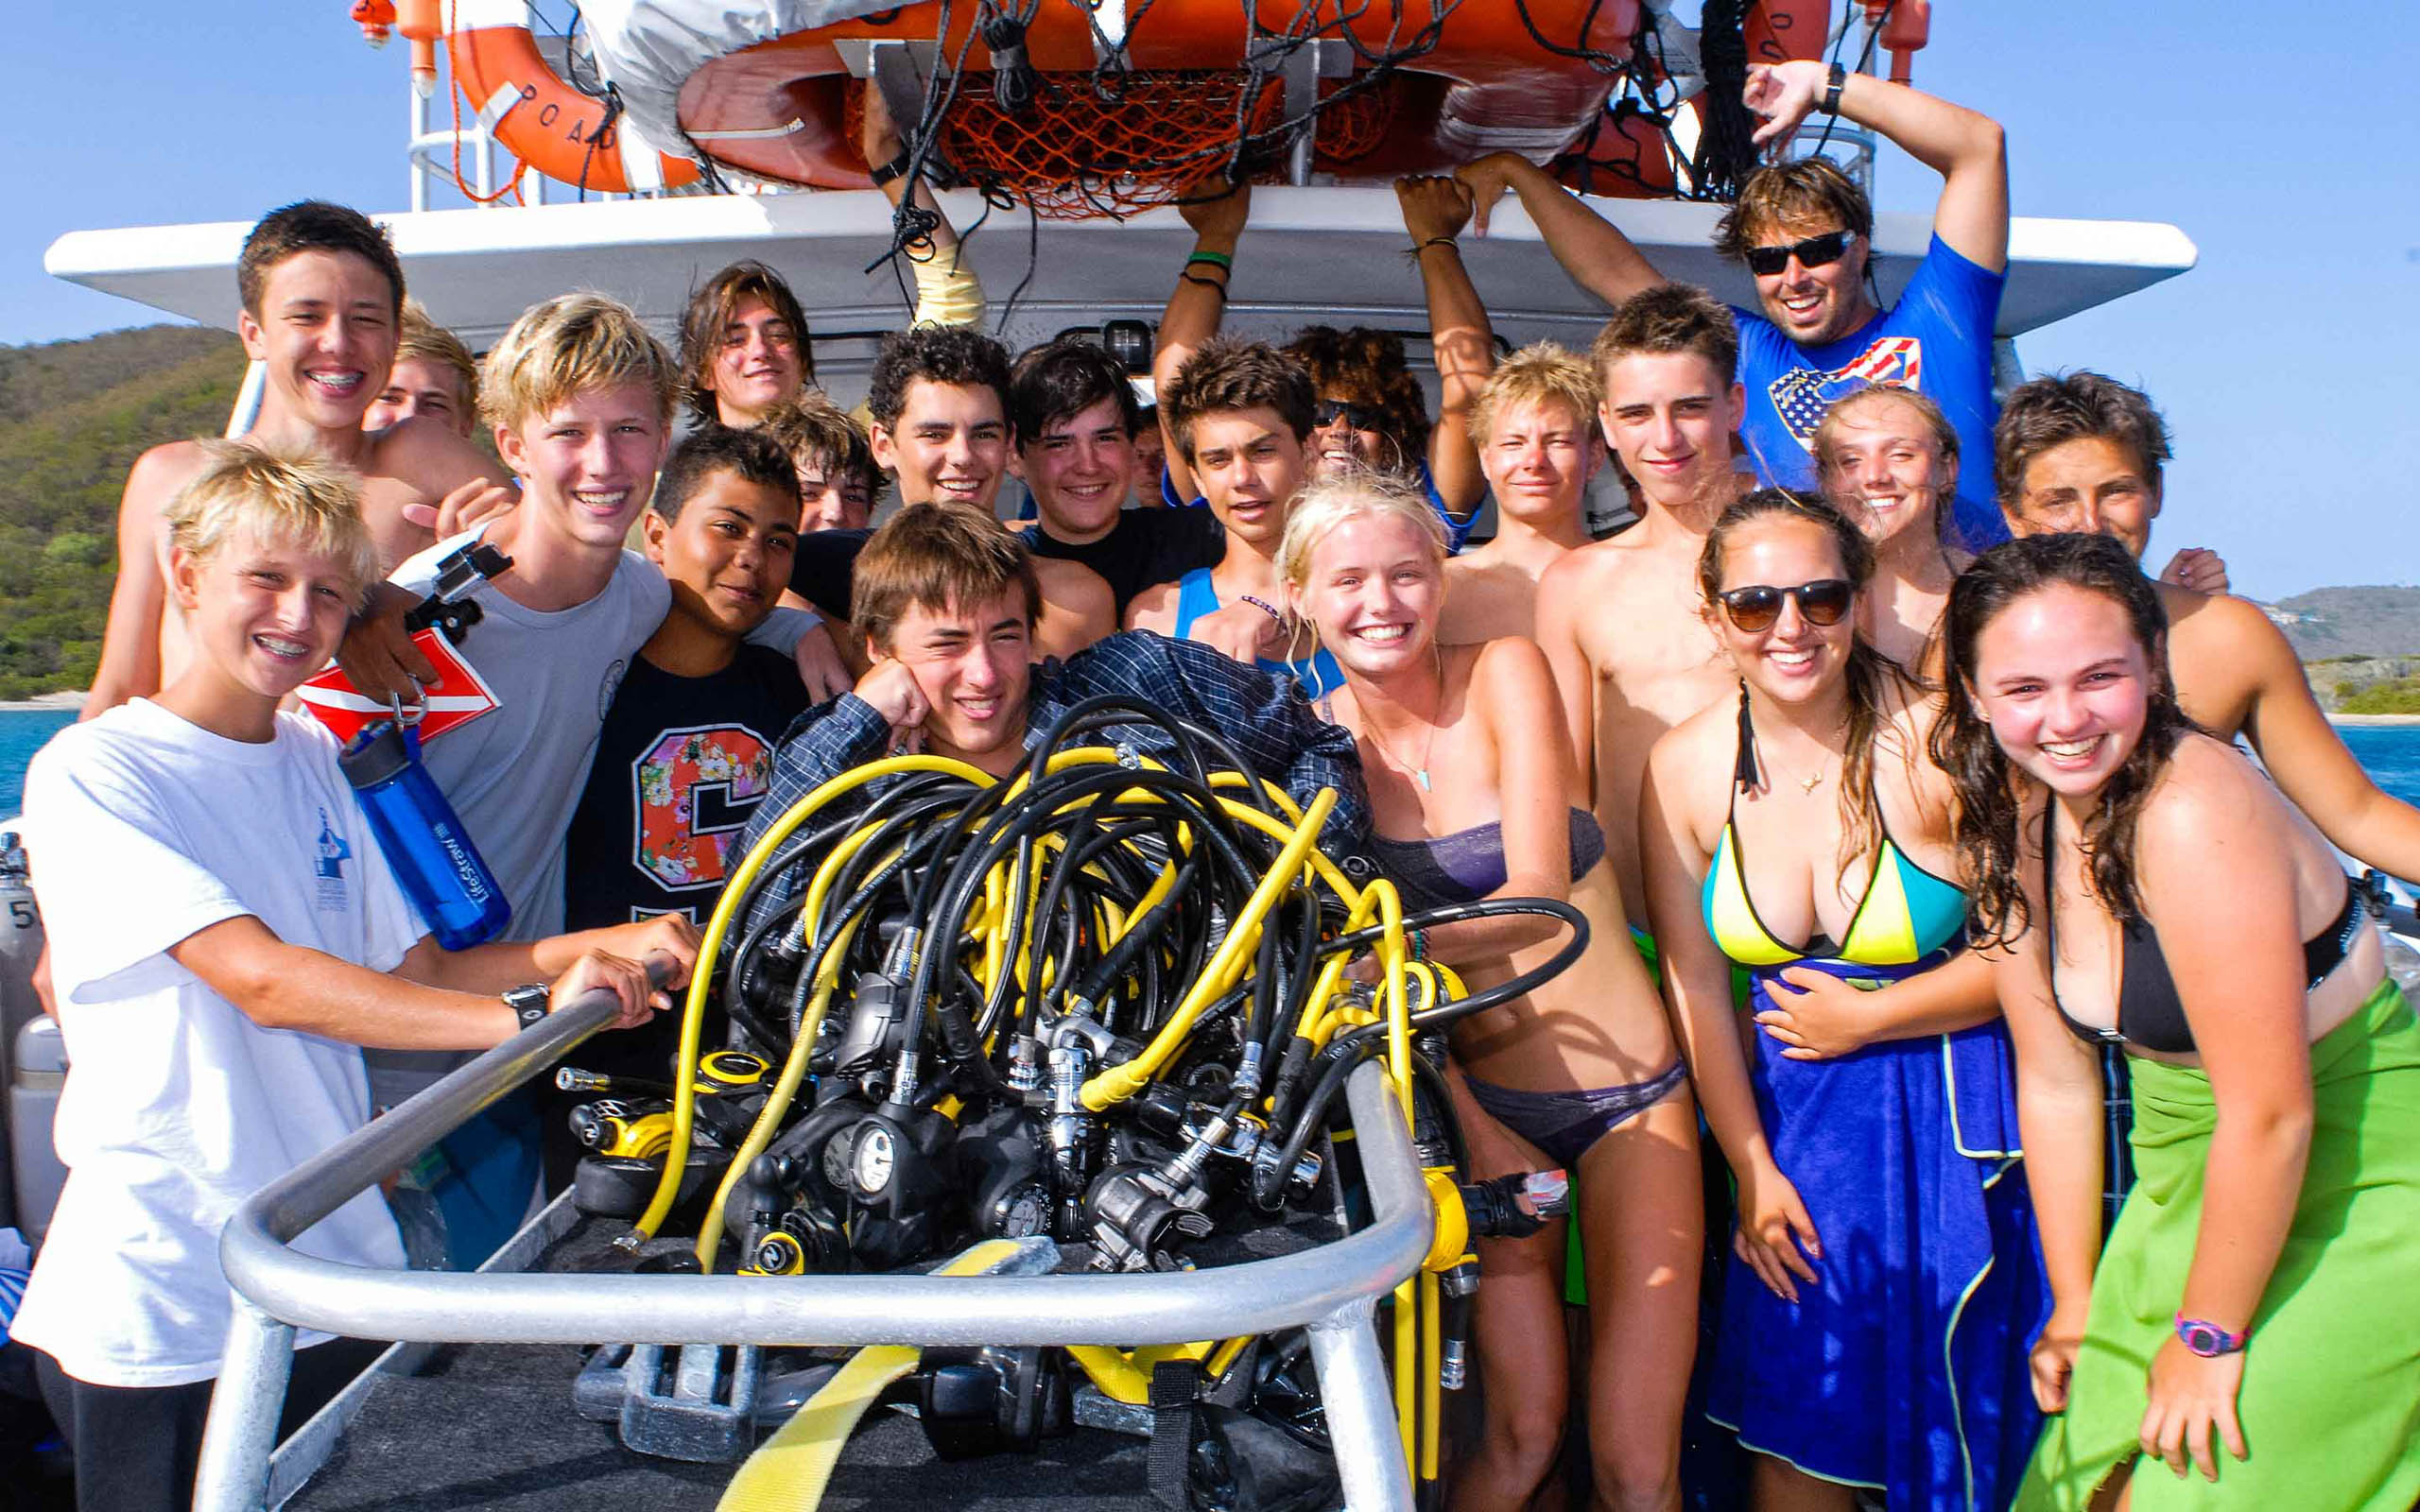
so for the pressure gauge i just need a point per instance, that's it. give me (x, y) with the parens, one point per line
(835, 1160)
(873, 1160)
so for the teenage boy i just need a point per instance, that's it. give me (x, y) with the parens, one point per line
(939, 399)
(837, 481)
(2081, 452)
(434, 375)
(1370, 410)
(581, 399)
(1806, 233)
(1075, 422)
(1239, 414)
(1535, 425)
(743, 347)
(321, 294)
(687, 749)
(1621, 621)
(946, 602)
(225, 932)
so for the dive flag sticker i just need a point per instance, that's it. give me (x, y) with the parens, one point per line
(458, 695)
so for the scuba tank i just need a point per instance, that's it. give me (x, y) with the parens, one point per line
(20, 942)
(431, 854)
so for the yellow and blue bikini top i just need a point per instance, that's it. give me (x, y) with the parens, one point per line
(1905, 915)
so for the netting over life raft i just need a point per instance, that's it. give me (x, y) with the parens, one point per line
(1081, 150)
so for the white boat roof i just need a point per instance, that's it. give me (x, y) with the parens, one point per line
(1319, 252)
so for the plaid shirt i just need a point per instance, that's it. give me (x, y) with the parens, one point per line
(1267, 720)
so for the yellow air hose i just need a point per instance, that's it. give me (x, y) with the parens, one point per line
(789, 1471)
(693, 1011)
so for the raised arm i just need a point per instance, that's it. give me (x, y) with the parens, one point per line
(1435, 209)
(131, 643)
(1775, 1236)
(2306, 756)
(1197, 303)
(948, 291)
(1592, 250)
(1966, 147)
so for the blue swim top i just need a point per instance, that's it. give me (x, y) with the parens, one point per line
(1316, 674)
(1905, 915)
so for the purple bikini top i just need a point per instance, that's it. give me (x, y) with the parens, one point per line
(1468, 864)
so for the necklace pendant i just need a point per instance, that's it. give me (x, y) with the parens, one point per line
(1420, 775)
(1808, 784)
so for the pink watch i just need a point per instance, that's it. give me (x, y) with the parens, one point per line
(2207, 1339)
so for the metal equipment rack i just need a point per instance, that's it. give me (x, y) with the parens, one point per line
(1332, 1290)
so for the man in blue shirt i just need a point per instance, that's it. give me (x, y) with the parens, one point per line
(1806, 232)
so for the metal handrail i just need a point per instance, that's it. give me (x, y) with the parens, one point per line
(1332, 1289)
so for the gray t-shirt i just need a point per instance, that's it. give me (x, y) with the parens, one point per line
(515, 775)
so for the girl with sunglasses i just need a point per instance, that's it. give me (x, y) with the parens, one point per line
(2153, 890)
(1473, 795)
(1883, 1286)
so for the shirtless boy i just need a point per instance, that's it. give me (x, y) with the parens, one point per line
(322, 295)
(2081, 452)
(434, 375)
(1619, 620)
(1531, 423)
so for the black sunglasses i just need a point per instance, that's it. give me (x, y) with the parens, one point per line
(1360, 417)
(1758, 607)
(1815, 252)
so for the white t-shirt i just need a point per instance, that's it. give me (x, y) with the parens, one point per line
(143, 830)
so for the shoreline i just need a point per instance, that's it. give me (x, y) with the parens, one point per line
(2372, 721)
(67, 702)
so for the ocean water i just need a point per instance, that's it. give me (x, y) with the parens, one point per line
(22, 733)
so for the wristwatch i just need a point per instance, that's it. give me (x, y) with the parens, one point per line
(2207, 1339)
(1839, 81)
(529, 1004)
(889, 171)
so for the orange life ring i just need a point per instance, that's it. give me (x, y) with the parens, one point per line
(539, 118)
(777, 109)
(1779, 30)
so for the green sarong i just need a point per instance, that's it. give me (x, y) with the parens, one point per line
(2330, 1402)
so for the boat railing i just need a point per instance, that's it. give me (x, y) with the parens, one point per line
(1331, 1290)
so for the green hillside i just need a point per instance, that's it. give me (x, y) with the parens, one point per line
(2338, 622)
(74, 416)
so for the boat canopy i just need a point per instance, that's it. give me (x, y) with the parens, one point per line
(1321, 252)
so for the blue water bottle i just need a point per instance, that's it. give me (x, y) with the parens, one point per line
(429, 852)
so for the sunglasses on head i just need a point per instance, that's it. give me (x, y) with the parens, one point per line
(1815, 252)
(1360, 417)
(1758, 607)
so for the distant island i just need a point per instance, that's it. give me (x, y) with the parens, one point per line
(75, 415)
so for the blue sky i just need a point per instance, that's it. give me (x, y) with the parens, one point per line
(2266, 131)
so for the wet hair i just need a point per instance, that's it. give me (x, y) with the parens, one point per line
(1944, 443)
(1670, 317)
(1806, 189)
(750, 455)
(1871, 674)
(2049, 411)
(931, 558)
(570, 345)
(1350, 493)
(1538, 374)
(1989, 795)
(1225, 376)
(820, 436)
(1363, 365)
(423, 340)
(313, 226)
(953, 355)
(711, 311)
(304, 502)
(1062, 379)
